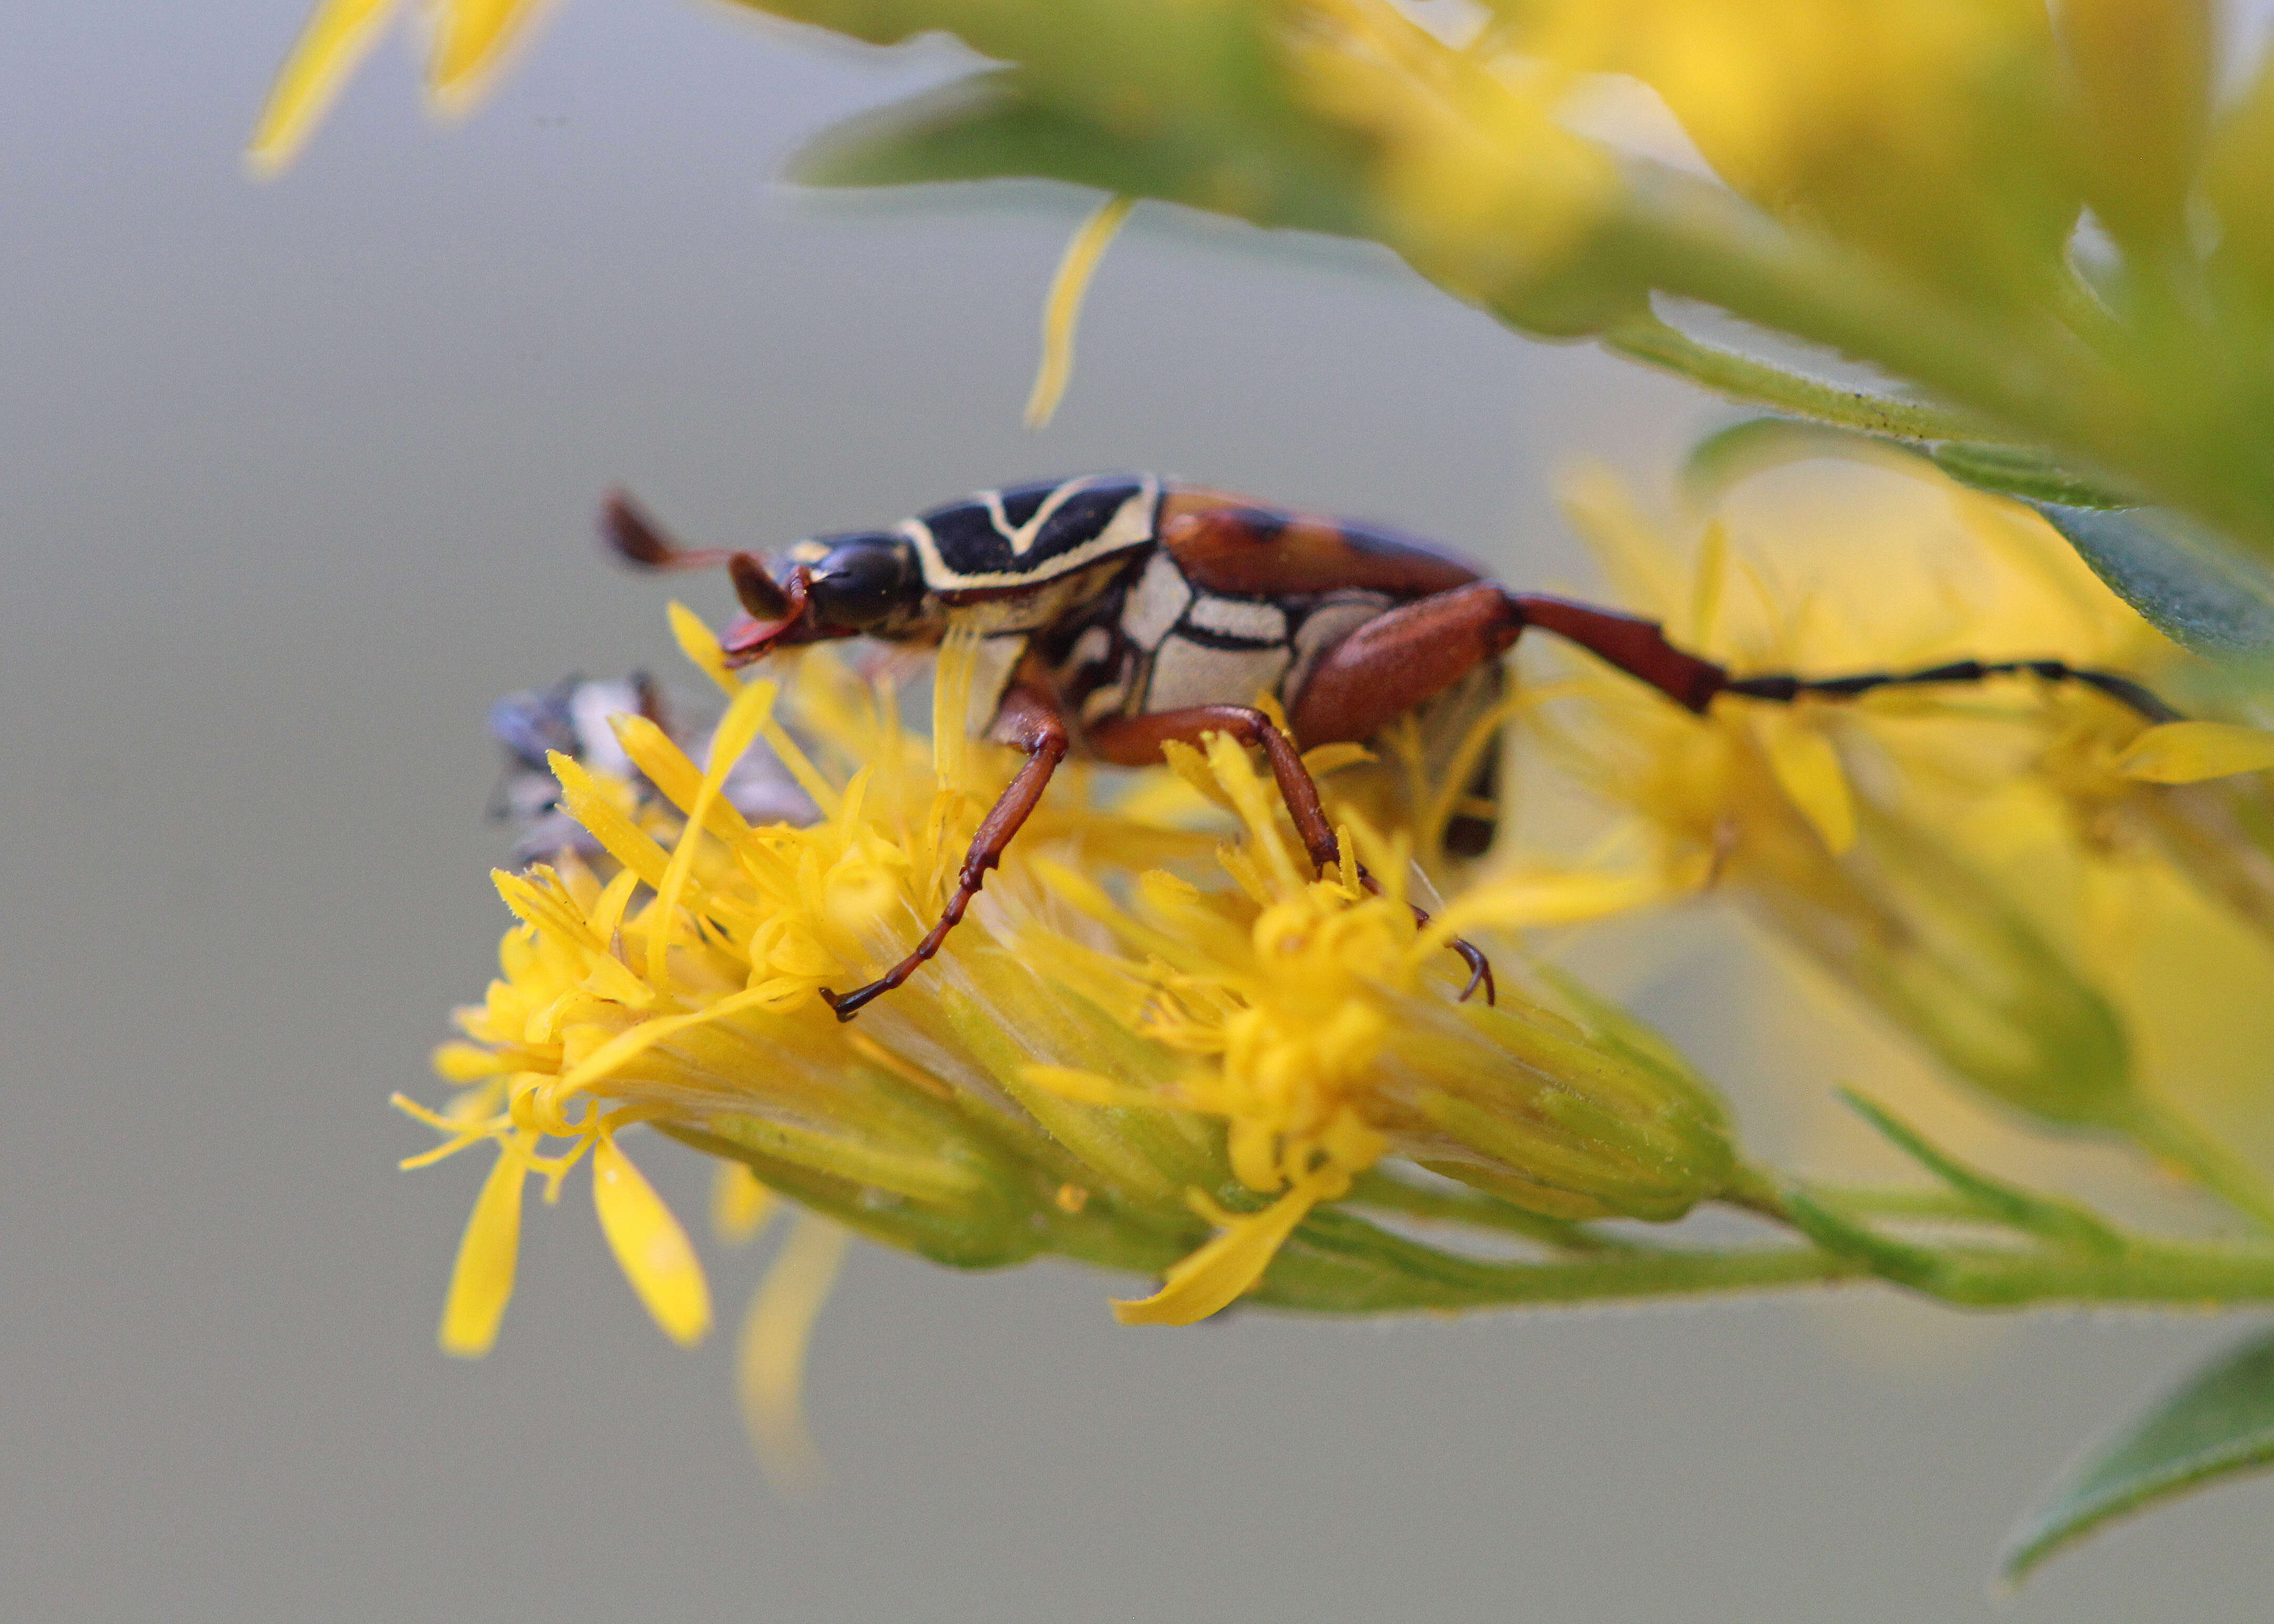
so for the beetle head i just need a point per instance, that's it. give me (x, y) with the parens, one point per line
(868, 583)
(864, 583)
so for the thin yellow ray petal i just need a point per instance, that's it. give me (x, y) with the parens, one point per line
(460, 1062)
(1537, 901)
(337, 38)
(650, 1247)
(472, 38)
(666, 767)
(481, 1284)
(1808, 767)
(1223, 1268)
(701, 645)
(1322, 759)
(1062, 311)
(2189, 752)
(776, 1333)
(737, 731)
(740, 1205)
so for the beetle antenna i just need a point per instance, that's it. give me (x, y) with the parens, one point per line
(634, 538)
(760, 594)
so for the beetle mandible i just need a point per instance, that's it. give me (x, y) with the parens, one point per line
(1120, 611)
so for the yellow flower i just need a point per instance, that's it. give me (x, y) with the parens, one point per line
(1035, 1088)
(1931, 133)
(472, 40)
(1975, 861)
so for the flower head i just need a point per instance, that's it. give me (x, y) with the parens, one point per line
(1111, 1057)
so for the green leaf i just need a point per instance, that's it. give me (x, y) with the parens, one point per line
(2024, 471)
(1993, 1198)
(2216, 1423)
(993, 126)
(2191, 585)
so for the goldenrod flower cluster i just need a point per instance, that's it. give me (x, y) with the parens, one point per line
(1110, 1060)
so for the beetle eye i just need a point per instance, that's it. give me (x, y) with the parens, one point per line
(861, 583)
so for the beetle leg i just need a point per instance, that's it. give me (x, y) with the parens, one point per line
(1136, 741)
(1415, 651)
(1030, 722)
(1784, 688)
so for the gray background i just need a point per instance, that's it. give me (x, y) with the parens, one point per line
(298, 478)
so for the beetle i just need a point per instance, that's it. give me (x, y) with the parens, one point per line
(1117, 612)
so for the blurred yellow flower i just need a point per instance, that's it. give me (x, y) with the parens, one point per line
(1954, 852)
(472, 38)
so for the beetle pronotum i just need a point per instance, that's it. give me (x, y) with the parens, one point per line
(1119, 612)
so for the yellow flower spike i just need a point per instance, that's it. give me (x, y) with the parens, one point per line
(650, 1247)
(738, 730)
(337, 38)
(472, 38)
(1807, 768)
(1062, 311)
(1226, 1268)
(481, 1284)
(2189, 752)
(740, 1205)
(776, 1333)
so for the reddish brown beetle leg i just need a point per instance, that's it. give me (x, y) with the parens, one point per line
(1411, 654)
(1136, 741)
(1030, 722)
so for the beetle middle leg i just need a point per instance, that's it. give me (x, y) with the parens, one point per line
(1136, 741)
(1028, 721)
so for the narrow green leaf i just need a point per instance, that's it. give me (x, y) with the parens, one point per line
(1993, 1198)
(990, 127)
(2024, 471)
(2191, 585)
(2219, 1422)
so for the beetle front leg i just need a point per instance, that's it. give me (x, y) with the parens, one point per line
(1136, 741)
(1028, 721)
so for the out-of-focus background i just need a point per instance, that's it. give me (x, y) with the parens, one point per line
(296, 478)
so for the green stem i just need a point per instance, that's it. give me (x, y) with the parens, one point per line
(1744, 377)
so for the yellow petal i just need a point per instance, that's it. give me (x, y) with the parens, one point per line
(1090, 1088)
(738, 730)
(471, 40)
(1323, 759)
(701, 646)
(2188, 752)
(482, 1282)
(650, 1247)
(457, 1062)
(1213, 1276)
(1062, 311)
(770, 1363)
(1808, 767)
(337, 37)
(1536, 901)
(740, 1205)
